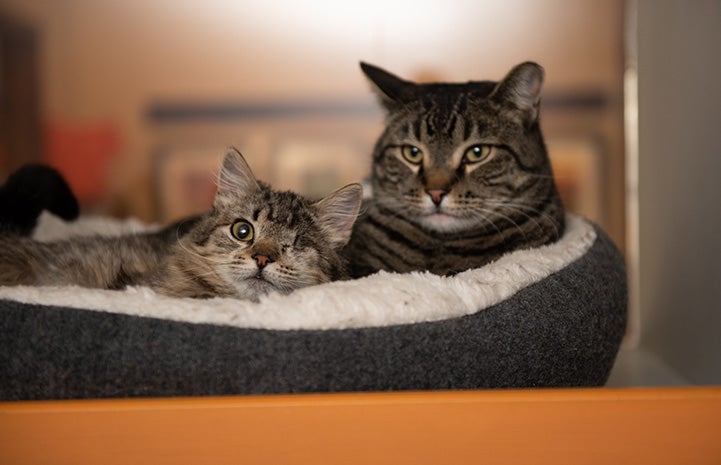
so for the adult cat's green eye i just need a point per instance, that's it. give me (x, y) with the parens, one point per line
(242, 230)
(412, 154)
(476, 153)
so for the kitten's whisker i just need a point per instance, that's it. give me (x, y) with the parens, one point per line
(204, 258)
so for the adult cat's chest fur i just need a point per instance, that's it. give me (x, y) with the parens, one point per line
(460, 176)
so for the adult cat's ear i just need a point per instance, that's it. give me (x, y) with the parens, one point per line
(338, 211)
(391, 89)
(522, 89)
(235, 178)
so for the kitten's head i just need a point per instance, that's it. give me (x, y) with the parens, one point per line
(467, 156)
(258, 240)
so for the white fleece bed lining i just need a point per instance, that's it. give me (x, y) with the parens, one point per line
(382, 299)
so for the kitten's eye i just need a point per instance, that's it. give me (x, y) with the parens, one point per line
(412, 154)
(242, 230)
(476, 153)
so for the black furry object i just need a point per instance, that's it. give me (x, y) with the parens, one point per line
(562, 331)
(30, 190)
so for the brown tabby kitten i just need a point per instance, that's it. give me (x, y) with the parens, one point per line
(255, 240)
(460, 176)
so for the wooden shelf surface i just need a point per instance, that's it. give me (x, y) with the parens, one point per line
(574, 426)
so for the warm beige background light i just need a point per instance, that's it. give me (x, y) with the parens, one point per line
(109, 60)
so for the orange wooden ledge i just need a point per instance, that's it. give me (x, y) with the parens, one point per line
(564, 426)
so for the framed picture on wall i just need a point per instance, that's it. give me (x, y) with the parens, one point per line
(316, 166)
(185, 180)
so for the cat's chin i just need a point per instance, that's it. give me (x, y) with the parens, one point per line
(444, 223)
(254, 287)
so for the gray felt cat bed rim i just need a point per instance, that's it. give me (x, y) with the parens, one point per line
(550, 316)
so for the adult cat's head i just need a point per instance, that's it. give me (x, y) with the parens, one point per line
(465, 156)
(257, 240)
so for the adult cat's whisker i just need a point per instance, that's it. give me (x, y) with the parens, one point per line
(504, 217)
(394, 214)
(490, 221)
(514, 209)
(520, 207)
(539, 176)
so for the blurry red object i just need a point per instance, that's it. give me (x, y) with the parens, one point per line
(82, 153)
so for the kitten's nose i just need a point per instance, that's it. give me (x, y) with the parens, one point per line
(262, 260)
(264, 252)
(436, 195)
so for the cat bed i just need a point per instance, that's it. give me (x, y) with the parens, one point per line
(550, 316)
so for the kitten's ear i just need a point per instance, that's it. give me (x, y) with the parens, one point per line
(391, 89)
(338, 211)
(235, 178)
(522, 89)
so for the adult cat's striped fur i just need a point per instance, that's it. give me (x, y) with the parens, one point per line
(460, 175)
(255, 240)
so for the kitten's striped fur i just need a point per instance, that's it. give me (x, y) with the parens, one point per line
(460, 176)
(291, 243)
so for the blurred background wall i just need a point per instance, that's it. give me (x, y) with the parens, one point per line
(136, 99)
(679, 99)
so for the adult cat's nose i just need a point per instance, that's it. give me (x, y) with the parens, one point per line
(436, 195)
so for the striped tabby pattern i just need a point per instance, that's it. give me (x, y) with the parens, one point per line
(254, 241)
(460, 176)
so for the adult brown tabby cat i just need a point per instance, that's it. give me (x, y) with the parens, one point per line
(460, 175)
(255, 240)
